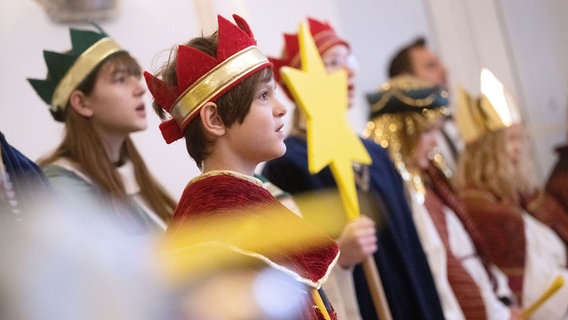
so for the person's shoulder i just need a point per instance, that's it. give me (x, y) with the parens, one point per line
(64, 175)
(14, 159)
(54, 171)
(377, 152)
(477, 196)
(374, 147)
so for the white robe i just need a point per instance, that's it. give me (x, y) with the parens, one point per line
(545, 260)
(463, 248)
(340, 290)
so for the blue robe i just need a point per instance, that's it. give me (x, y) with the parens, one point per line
(28, 180)
(407, 281)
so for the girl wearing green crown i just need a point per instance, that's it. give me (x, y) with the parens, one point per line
(95, 90)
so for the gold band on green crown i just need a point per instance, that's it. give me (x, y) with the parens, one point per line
(82, 67)
(215, 81)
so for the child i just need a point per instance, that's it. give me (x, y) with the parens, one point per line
(220, 93)
(407, 281)
(504, 202)
(95, 90)
(406, 115)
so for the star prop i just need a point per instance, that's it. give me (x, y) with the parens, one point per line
(330, 139)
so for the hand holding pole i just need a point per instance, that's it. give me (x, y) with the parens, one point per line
(330, 139)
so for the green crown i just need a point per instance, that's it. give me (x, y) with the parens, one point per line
(66, 71)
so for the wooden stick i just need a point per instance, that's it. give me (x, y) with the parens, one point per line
(339, 150)
(557, 284)
(319, 303)
(376, 288)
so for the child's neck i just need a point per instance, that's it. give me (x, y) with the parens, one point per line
(245, 169)
(113, 145)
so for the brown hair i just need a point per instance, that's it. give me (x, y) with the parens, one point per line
(233, 105)
(82, 145)
(400, 63)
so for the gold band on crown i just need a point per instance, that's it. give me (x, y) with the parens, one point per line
(215, 81)
(82, 67)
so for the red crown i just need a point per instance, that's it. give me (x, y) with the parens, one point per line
(202, 78)
(324, 37)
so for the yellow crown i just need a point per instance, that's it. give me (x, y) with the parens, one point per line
(494, 110)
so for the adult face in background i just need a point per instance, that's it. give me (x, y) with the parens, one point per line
(427, 66)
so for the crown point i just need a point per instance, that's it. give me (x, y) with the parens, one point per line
(162, 93)
(243, 25)
(276, 65)
(67, 70)
(81, 40)
(58, 63)
(291, 45)
(192, 64)
(43, 89)
(202, 77)
(232, 36)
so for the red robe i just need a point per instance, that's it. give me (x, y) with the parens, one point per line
(230, 195)
(439, 193)
(502, 233)
(557, 184)
(549, 211)
(551, 207)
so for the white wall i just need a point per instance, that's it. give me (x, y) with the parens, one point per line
(147, 27)
(539, 47)
(142, 29)
(525, 44)
(523, 41)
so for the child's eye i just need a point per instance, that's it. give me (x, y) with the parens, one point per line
(263, 95)
(120, 77)
(331, 63)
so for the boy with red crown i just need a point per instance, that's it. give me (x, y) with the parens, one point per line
(404, 271)
(220, 93)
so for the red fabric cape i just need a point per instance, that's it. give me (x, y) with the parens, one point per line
(228, 195)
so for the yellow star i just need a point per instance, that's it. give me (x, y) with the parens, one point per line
(330, 138)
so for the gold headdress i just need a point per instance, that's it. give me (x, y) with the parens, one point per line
(401, 111)
(494, 110)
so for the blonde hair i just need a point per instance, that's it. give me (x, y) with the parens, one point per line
(484, 164)
(400, 133)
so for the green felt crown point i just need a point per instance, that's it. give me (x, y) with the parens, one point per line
(43, 89)
(81, 40)
(67, 70)
(58, 64)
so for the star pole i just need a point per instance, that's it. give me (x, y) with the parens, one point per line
(330, 139)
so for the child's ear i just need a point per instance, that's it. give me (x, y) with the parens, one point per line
(211, 120)
(78, 101)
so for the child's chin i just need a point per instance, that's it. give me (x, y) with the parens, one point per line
(280, 152)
